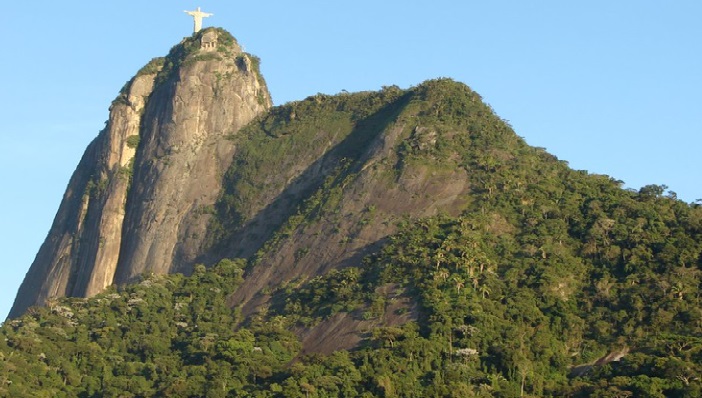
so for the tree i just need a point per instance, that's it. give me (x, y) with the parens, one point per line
(459, 283)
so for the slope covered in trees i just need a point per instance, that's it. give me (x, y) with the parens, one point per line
(539, 281)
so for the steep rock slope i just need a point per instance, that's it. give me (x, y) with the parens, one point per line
(135, 201)
(347, 169)
(183, 156)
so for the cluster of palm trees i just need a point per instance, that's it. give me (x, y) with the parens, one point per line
(464, 256)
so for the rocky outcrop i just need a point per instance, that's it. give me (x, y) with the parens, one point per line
(138, 199)
(183, 156)
(321, 183)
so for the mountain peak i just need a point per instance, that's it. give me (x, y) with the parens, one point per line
(134, 203)
(211, 39)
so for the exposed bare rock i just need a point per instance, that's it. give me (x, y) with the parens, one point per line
(367, 212)
(184, 154)
(138, 198)
(612, 356)
(346, 330)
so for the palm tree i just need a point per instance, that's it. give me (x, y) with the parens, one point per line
(678, 290)
(484, 290)
(442, 275)
(459, 283)
(439, 258)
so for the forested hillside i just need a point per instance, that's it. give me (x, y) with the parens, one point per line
(528, 279)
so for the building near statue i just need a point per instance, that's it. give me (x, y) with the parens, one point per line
(208, 41)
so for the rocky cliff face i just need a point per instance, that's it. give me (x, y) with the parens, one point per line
(139, 198)
(318, 186)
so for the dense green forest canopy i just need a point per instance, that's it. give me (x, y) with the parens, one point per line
(551, 282)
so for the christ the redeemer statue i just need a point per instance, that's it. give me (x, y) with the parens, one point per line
(197, 16)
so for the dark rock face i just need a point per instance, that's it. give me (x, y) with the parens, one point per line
(335, 202)
(136, 201)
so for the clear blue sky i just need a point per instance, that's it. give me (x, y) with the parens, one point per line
(613, 87)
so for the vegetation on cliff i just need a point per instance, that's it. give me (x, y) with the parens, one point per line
(545, 282)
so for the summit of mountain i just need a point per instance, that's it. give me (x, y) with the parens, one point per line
(133, 204)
